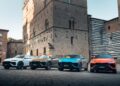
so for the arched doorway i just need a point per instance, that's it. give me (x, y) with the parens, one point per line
(44, 51)
(37, 52)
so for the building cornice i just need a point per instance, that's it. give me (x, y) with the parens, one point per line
(4, 30)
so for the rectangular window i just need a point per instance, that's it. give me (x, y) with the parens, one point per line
(45, 2)
(72, 40)
(44, 50)
(72, 23)
(46, 24)
(70, 26)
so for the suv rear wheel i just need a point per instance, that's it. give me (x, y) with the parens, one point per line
(48, 66)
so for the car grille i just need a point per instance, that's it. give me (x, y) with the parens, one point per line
(38, 63)
(69, 64)
(106, 65)
(9, 63)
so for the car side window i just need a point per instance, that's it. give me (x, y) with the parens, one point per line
(83, 58)
(21, 56)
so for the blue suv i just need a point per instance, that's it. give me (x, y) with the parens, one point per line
(72, 62)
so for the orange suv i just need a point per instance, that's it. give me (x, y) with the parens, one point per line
(103, 62)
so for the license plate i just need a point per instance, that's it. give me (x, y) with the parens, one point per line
(101, 67)
(65, 65)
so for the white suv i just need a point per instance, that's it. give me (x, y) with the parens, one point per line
(19, 62)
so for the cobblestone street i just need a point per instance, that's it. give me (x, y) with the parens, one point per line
(41, 77)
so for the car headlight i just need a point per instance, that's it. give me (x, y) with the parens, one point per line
(76, 61)
(60, 60)
(111, 62)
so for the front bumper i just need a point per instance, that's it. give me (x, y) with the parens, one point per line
(8, 63)
(69, 65)
(38, 64)
(103, 66)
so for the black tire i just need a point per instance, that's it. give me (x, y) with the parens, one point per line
(19, 65)
(91, 70)
(60, 69)
(85, 69)
(24, 67)
(71, 69)
(48, 66)
(78, 69)
(114, 71)
(32, 67)
(6, 67)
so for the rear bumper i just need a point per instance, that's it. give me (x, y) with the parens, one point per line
(69, 65)
(8, 63)
(103, 66)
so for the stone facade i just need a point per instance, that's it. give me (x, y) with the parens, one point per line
(55, 27)
(3, 44)
(112, 28)
(97, 35)
(105, 37)
(15, 47)
(112, 25)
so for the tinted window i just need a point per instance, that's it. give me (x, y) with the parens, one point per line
(104, 56)
(43, 56)
(19, 56)
(72, 56)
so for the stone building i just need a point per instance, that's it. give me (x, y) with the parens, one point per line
(119, 9)
(15, 47)
(105, 36)
(97, 36)
(112, 28)
(3, 44)
(55, 27)
(112, 25)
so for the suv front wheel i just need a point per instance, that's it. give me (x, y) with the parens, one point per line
(6, 67)
(19, 65)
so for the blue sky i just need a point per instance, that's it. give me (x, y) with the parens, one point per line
(11, 14)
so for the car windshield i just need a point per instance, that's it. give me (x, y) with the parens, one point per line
(43, 56)
(19, 56)
(104, 56)
(72, 56)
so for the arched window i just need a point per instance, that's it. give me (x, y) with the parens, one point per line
(15, 52)
(44, 51)
(31, 52)
(72, 23)
(46, 24)
(37, 52)
(45, 3)
(72, 40)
